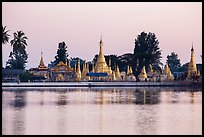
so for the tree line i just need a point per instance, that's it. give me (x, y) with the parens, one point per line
(146, 51)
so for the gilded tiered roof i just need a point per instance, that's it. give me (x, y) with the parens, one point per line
(85, 71)
(42, 66)
(117, 73)
(143, 74)
(167, 72)
(78, 71)
(101, 66)
(192, 70)
(129, 70)
(61, 66)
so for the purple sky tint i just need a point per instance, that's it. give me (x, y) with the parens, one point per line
(80, 25)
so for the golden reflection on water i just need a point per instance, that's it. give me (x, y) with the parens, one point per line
(138, 111)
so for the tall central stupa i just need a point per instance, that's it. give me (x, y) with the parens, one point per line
(101, 66)
(192, 70)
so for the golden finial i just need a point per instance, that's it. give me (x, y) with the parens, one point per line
(192, 47)
(101, 40)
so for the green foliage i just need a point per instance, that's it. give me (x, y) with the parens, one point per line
(17, 60)
(62, 54)
(173, 62)
(125, 60)
(19, 56)
(5, 35)
(146, 51)
(74, 61)
(109, 59)
(26, 76)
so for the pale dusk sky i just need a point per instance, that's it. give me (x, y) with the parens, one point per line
(80, 25)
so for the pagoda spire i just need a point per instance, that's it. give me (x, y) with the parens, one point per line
(167, 72)
(93, 67)
(78, 71)
(42, 65)
(117, 73)
(101, 66)
(192, 70)
(143, 74)
(128, 70)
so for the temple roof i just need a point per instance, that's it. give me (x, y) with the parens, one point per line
(41, 65)
(101, 65)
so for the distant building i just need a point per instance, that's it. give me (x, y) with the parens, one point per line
(192, 70)
(101, 67)
(62, 72)
(40, 73)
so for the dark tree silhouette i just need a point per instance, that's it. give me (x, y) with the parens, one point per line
(5, 38)
(62, 54)
(125, 60)
(173, 62)
(19, 55)
(5, 35)
(146, 51)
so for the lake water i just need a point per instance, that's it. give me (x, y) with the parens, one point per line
(102, 111)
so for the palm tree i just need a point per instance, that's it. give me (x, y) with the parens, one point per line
(5, 39)
(5, 35)
(19, 55)
(19, 42)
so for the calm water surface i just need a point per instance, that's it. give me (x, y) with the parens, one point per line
(138, 111)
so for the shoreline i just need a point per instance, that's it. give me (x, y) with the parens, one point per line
(104, 84)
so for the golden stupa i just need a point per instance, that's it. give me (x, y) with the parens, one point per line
(143, 74)
(117, 73)
(129, 75)
(101, 66)
(42, 66)
(84, 72)
(192, 70)
(113, 76)
(92, 68)
(78, 72)
(167, 72)
(150, 70)
(128, 70)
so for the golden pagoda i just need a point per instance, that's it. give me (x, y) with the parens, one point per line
(167, 72)
(84, 72)
(42, 66)
(143, 74)
(192, 70)
(101, 66)
(128, 70)
(78, 71)
(129, 75)
(93, 68)
(150, 74)
(110, 71)
(41, 71)
(150, 70)
(113, 76)
(117, 74)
